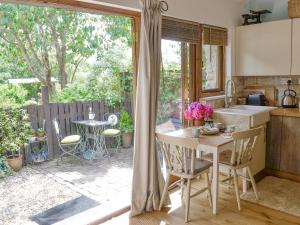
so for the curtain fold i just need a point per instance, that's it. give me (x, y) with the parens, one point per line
(147, 181)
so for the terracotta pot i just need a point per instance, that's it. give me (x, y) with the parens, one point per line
(126, 139)
(199, 122)
(40, 134)
(15, 162)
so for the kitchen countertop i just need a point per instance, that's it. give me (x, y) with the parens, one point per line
(292, 112)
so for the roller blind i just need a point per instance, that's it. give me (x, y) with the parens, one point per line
(181, 30)
(214, 35)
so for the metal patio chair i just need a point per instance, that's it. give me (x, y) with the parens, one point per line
(112, 132)
(68, 145)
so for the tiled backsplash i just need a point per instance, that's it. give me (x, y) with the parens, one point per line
(279, 82)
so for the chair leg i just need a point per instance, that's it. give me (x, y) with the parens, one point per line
(57, 161)
(105, 148)
(208, 188)
(119, 143)
(252, 182)
(210, 174)
(182, 189)
(187, 200)
(236, 186)
(229, 175)
(164, 192)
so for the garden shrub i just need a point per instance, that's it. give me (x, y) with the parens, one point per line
(15, 130)
(11, 95)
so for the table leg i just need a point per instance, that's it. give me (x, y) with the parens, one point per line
(215, 182)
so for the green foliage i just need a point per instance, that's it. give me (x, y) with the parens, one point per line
(170, 92)
(126, 123)
(118, 28)
(55, 40)
(5, 170)
(15, 130)
(11, 95)
(110, 89)
(95, 46)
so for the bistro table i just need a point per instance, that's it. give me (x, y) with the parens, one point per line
(209, 144)
(91, 130)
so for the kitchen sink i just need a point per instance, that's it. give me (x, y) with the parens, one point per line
(256, 115)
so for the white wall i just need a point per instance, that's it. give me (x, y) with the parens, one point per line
(224, 13)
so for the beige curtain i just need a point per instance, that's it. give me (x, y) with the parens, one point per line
(147, 177)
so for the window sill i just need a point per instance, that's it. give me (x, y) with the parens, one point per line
(211, 98)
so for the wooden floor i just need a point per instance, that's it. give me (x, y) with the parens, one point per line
(200, 213)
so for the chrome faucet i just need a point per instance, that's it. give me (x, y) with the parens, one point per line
(229, 98)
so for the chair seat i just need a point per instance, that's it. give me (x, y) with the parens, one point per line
(111, 132)
(200, 165)
(224, 157)
(72, 139)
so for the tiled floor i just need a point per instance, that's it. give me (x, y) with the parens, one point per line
(40, 187)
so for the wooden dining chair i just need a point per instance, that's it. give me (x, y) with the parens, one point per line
(239, 157)
(180, 157)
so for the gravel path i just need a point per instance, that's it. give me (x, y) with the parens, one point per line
(28, 193)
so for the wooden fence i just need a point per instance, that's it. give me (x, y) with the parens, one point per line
(65, 114)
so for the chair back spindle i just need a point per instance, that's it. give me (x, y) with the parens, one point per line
(178, 153)
(57, 129)
(245, 143)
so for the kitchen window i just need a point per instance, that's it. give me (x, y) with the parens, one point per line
(213, 57)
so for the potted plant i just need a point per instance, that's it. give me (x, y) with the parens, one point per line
(15, 130)
(126, 127)
(40, 133)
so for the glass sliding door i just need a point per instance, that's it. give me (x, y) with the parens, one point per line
(175, 79)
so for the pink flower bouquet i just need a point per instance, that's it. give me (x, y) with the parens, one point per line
(197, 111)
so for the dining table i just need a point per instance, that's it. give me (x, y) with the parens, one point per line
(213, 144)
(92, 141)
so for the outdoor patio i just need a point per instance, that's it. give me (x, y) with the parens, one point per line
(37, 188)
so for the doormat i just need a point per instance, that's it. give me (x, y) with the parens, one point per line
(64, 211)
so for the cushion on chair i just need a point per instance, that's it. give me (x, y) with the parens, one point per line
(200, 165)
(73, 139)
(111, 132)
(224, 157)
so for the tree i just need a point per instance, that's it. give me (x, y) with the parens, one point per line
(51, 42)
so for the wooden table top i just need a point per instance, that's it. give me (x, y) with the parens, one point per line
(210, 140)
(292, 112)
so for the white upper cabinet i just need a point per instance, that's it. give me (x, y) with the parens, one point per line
(296, 47)
(264, 49)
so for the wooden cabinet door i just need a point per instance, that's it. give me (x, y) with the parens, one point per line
(296, 47)
(274, 143)
(290, 145)
(264, 49)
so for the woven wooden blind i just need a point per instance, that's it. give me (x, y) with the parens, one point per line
(181, 30)
(214, 35)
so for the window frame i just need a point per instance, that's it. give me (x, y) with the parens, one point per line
(220, 89)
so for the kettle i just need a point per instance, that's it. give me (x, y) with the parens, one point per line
(289, 97)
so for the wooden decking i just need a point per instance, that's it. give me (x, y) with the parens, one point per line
(200, 213)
